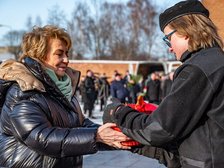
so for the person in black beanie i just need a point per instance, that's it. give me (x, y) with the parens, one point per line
(191, 116)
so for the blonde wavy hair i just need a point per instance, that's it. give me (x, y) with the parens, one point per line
(35, 43)
(201, 31)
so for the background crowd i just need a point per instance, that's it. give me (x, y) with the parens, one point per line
(96, 89)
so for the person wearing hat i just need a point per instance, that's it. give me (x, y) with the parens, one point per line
(191, 117)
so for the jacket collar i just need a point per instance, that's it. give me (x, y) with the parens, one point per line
(31, 75)
(186, 55)
(12, 70)
(38, 70)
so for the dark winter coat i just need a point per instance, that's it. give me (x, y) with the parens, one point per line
(89, 93)
(118, 90)
(166, 87)
(39, 127)
(153, 91)
(191, 116)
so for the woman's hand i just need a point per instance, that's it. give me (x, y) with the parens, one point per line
(107, 135)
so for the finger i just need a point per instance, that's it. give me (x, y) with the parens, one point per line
(120, 146)
(125, 147)
(110, 124)
(121, 137)
(107, 125)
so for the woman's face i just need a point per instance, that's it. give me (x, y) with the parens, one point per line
(57, 57)
(179, 44)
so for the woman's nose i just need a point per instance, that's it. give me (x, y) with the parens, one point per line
(65, 59)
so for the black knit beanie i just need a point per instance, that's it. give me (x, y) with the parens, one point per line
(180, 9)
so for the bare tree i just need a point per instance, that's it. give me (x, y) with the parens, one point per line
(113, 30)
(29, 23)
(103, 30)
(56, 16)
(38, 21)
(14, 39)
(142, 15)
(79, 31)
(126, 31)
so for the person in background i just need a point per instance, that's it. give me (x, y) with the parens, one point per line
(89, 93)
(191, 116)
(104, 91)
(82, 89)
(153, 89)
(41, 123)
(118, 89)
(114, 73)
(131, 85)
(167, 83)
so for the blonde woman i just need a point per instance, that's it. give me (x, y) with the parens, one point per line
(41, 124)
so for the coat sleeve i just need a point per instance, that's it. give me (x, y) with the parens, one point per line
(32, 126)
(177, 115)
(113, 90)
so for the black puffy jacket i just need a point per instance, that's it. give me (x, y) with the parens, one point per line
(39, 127)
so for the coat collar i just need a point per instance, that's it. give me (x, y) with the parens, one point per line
(186, 55)
(12, 70)
(30, 74)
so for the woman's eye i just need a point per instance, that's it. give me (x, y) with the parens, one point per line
(59, 54)
(67, 54)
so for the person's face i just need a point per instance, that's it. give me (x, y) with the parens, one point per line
(57, 57)
(153, 76)
(118, 77)
(90, 73)
(178, 43)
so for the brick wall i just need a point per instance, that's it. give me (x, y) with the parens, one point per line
(216, 9)
(100, 67)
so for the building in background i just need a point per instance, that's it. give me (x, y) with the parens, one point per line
(143, 68)
(216, 8)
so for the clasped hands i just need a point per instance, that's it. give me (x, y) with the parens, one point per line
(109, 136)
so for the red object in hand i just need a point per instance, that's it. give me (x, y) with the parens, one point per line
(129, 142)
(140, 106)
